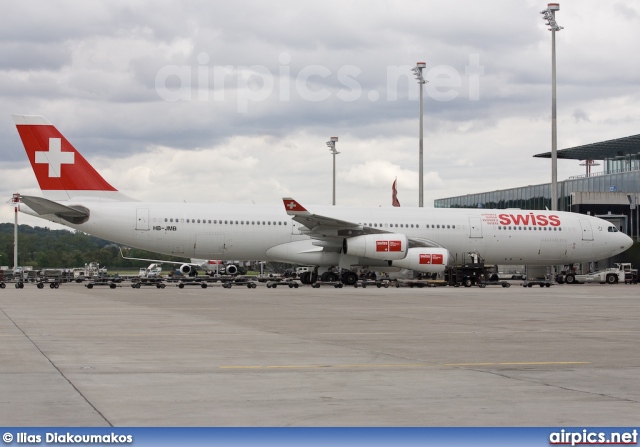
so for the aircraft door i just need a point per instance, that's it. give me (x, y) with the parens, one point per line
(587, 232)
(142, 219)
(475, 227)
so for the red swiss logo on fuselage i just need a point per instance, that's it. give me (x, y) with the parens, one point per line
(540, 220)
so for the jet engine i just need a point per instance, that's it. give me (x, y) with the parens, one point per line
(425, 260)
(231, 269)
(186, 269)
(377, 246)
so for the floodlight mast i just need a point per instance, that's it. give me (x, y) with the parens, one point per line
(332, 147)
(16, 201)
(549, 15)
(417, 71)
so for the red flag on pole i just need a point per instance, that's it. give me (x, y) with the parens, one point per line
(394, 194)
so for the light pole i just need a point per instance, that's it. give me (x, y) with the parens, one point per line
(417, 71)
(16, 201)
(550, 16)
(332, 147)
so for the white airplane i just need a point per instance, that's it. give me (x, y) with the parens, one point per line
(209, 266)
(420, 239)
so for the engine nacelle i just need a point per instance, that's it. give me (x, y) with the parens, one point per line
(425, 260)
(185, 269)
(231, 269)
(377, 246)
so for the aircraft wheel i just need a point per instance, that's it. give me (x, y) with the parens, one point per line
(305, 278)
(331, 277)
(570, 279)
(349, 278)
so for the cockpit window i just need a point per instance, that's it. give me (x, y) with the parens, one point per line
(612, 229)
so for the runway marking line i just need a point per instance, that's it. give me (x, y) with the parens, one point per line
(398, 365)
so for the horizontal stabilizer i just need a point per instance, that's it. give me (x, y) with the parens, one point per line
(74, 214)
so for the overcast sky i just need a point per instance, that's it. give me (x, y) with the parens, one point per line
(234, 101)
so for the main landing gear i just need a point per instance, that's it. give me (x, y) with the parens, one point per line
(347, 278)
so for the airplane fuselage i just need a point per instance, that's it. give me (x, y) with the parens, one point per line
(231, 232)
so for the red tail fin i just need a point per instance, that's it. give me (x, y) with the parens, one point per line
(61, 171)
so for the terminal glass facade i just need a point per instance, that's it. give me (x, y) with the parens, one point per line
(538, 197)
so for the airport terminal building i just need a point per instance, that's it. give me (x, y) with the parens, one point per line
(610, 194)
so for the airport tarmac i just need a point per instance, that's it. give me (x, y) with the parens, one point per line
(441, 356)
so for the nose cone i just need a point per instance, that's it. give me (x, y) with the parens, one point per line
(627, 243)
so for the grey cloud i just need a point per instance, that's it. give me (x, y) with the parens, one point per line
(33, 56)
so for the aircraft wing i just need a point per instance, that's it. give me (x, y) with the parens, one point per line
(161, 261)
(329, 228)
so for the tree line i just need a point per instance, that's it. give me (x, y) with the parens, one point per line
(42, 247)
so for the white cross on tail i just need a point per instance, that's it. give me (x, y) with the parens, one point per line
(55, 157)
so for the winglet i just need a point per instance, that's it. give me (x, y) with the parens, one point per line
(293, 207)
